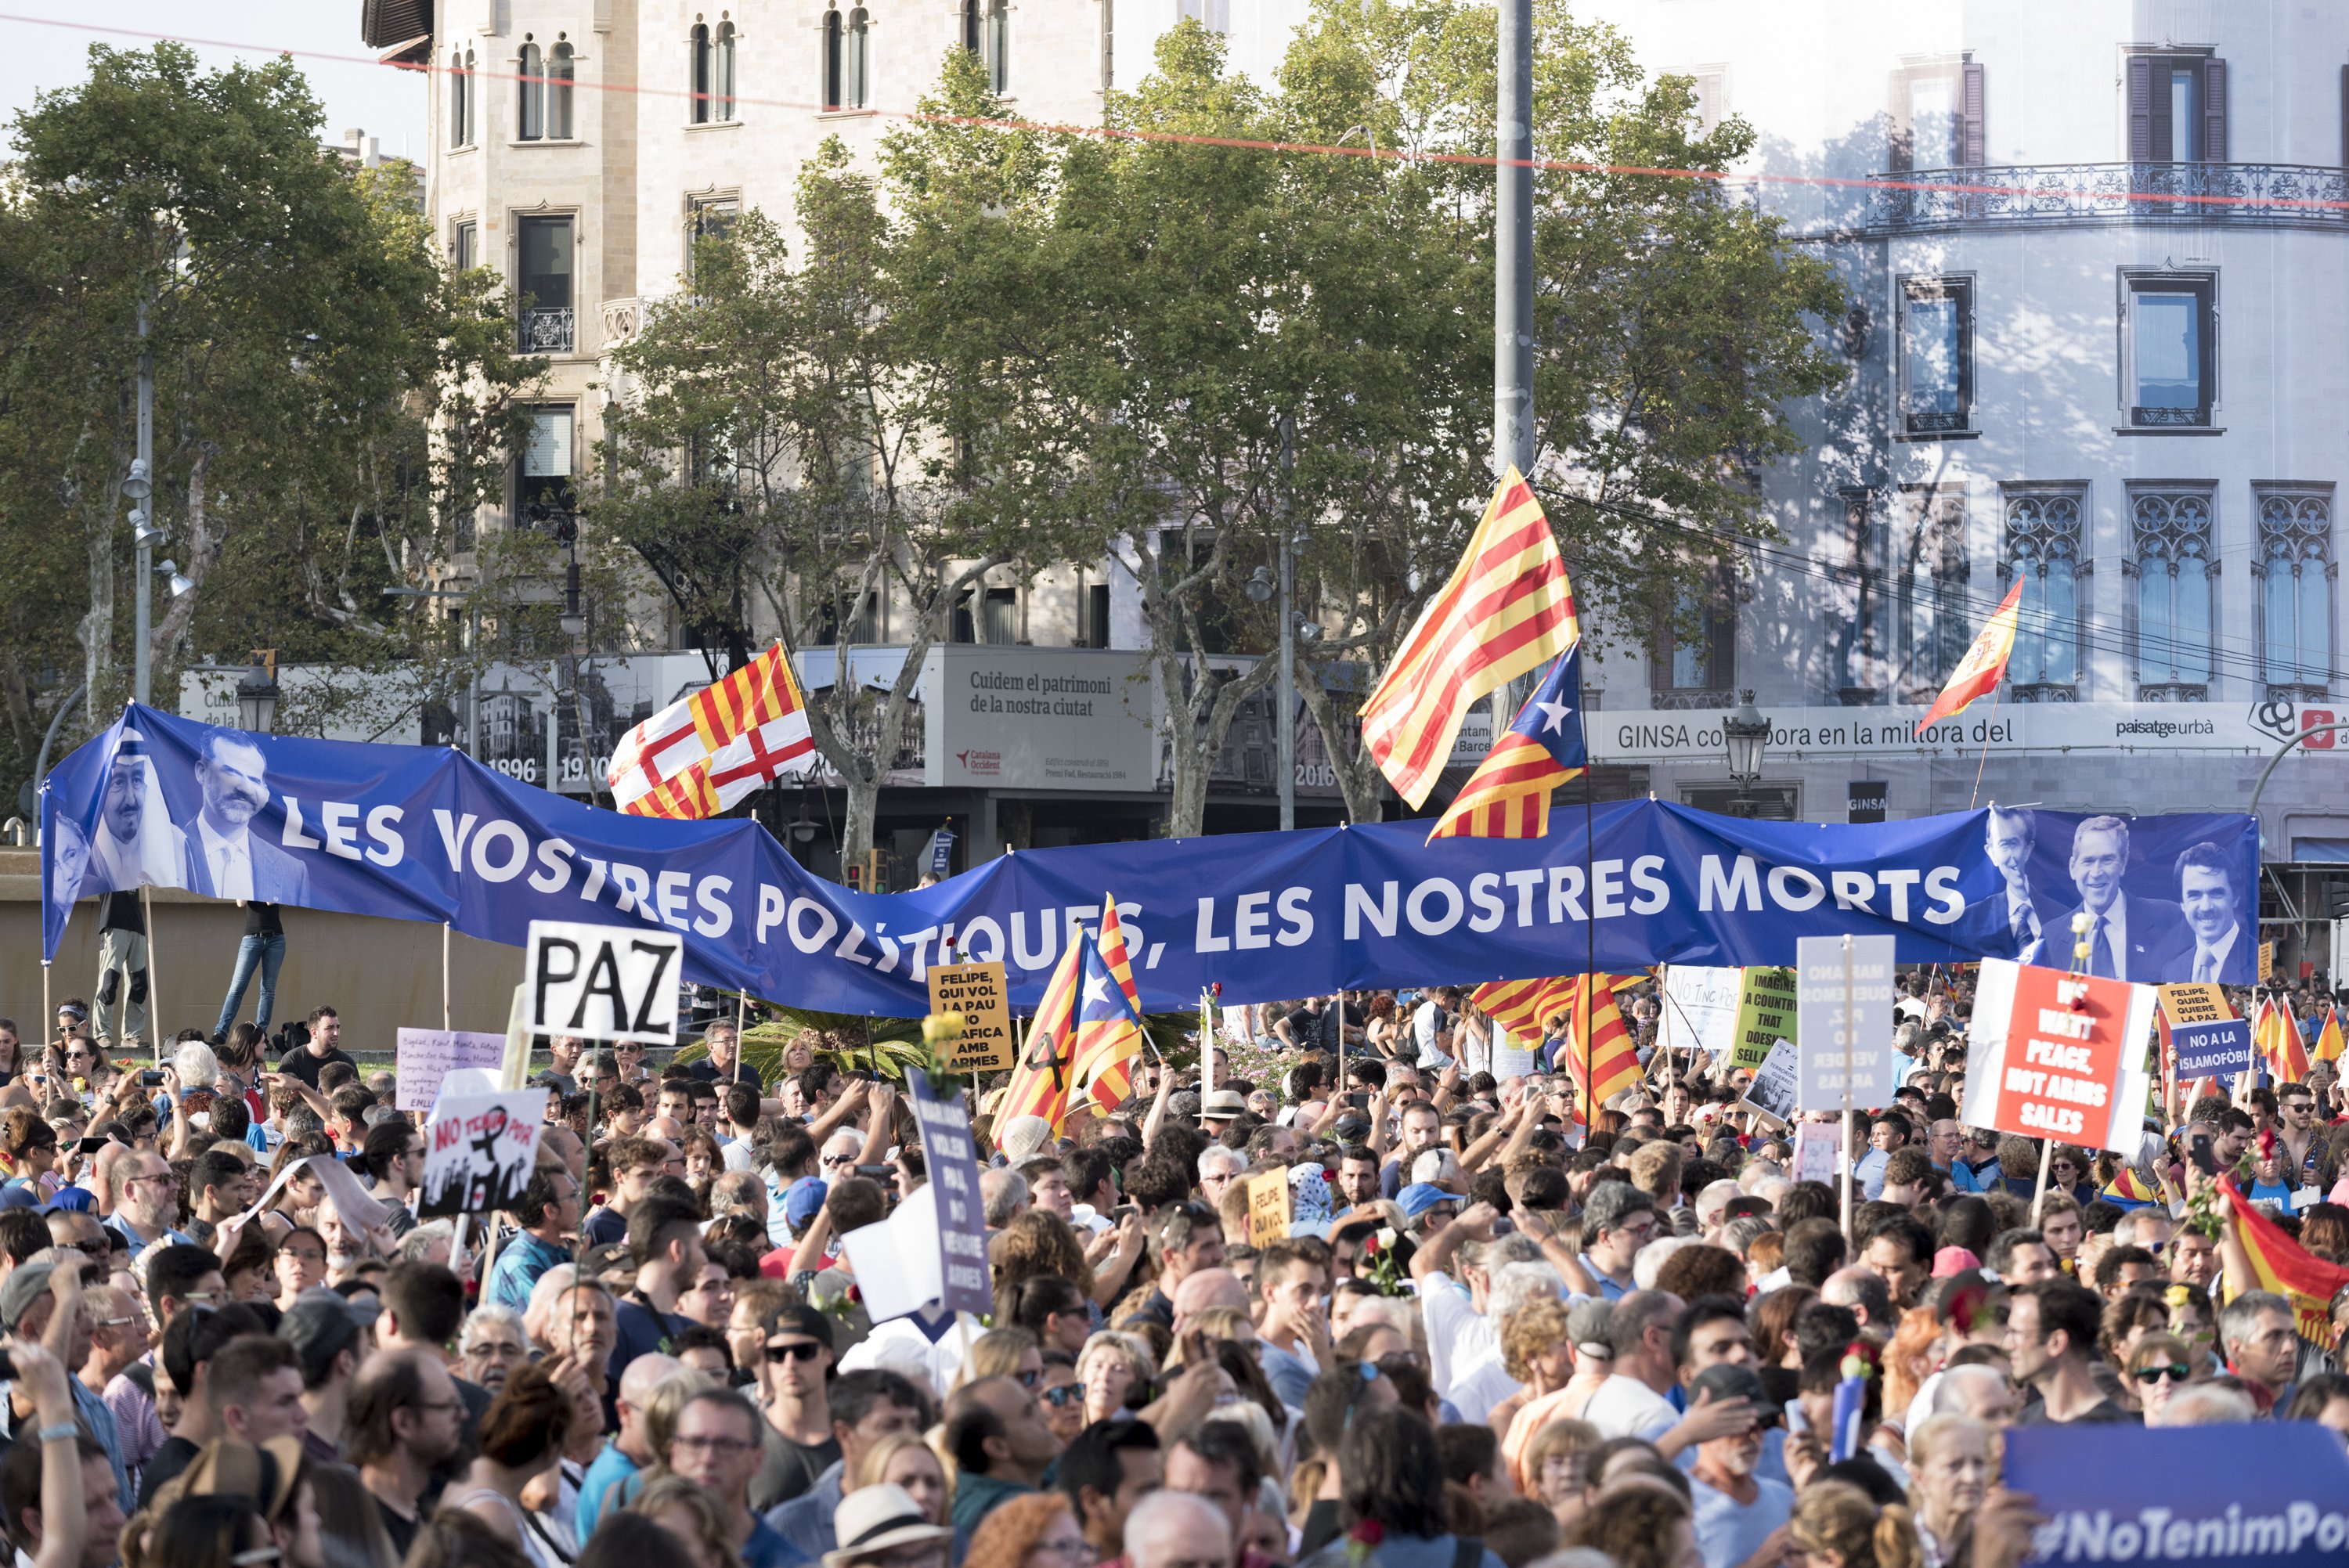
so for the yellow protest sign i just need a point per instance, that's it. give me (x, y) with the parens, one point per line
(2194, 1004)
(1269, 1208)
(2267, 962)
(978, 991)
(1767, 1003)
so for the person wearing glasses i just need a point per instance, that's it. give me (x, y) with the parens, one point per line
(147, 1202)
(795, 1371)
(404, 1418)
(716, 1443)
(2307, 1155)
(2159, 1366)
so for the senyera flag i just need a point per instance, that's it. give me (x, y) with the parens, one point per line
(698, 757)
(1507, 608)
(1985, 665)
(1509, 795)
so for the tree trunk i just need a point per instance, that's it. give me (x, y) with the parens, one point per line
(96, 630)
(1359, 778)
(857, 832)
(1199, 720)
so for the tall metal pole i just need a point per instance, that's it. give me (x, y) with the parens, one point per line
(142, 555)
(1285, 726)
(1513, 245)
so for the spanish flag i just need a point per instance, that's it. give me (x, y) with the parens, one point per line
(1985, 665)
(2282, 1265)
(2275, 1036)
(2329, 1041)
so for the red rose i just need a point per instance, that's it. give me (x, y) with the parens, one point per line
(857, 1295)
(1369, 1532)
(1369, 1245)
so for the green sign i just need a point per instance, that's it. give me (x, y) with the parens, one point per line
(1767, 1003)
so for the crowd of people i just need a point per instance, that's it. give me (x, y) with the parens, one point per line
(1504, 1327)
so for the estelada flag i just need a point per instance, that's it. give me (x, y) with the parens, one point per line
(697, 757)
(1507, 608)
(1046, 1076)
(2284, 1266)
(1105, 1059)
(1109, 1029)
(1509, 795)
(1985, 665)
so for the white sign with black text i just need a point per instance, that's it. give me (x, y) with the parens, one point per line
(603, 982)
(1844, 1022)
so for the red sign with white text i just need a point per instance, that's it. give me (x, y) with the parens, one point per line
(2065, 1036)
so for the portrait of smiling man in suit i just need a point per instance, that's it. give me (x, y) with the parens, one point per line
(225, 858)
(2127, 936)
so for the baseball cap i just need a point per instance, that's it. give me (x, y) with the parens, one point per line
(1353, 1129)
(794, 1317)
(1421, 1196)
(320, 1325)
(1586, 1323)
(19, 1197)
(800, 1204)
(70, 1200)
(1728, 1380)
(27, 1282)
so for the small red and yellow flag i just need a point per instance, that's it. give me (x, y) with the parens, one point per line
(2275, 1036)
(2329, 1040)
(1985, 665)
(1602, 1054)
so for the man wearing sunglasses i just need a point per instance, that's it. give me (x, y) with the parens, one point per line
(794, 1393)
(867, 1406)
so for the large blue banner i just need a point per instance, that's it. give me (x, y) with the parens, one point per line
(421, 833)
(2270, 1495)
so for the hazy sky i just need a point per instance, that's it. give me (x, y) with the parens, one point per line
(53, 52)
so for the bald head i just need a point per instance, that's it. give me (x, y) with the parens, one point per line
(646, 1374)
(1209, 1287)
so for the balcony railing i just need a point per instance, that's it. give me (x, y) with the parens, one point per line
(2260, 194)
(549, 331)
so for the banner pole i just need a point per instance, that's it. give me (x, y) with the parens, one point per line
(444, 976)
(1849, 1162)
(154, 991)
(742, 1007)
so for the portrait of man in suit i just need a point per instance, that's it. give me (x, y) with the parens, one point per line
(2127, 936)
(225, 858)
(137, 845)
(2212, 936)
(2015, 919)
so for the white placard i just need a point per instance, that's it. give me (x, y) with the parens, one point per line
(1700, 1009)
(1818, 1152)
(425, 1056)
(1772, 1092)
(603, 982)
(478, 1152)
(898, 1261)
(1835, 1048)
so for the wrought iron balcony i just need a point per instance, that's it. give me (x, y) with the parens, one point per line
(2303, 196)
(545, 331)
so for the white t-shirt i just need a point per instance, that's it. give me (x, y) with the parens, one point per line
(1457, 1333)
(1625, 1408)
(1478, 1385)
(1424, 1025)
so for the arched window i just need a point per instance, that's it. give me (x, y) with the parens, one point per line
(530, 123)
(561, 72)
(974, 38)
(998, 45)
(461, 132)
(723, 84)
(831, 58)
(473, 99)
(701, 73)
(860, 59)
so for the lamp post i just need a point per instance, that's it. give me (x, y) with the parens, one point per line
(256, 694)
(1746, 733)
(139, 488)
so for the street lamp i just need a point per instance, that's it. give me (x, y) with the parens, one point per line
(472, 645)
(256, 697)
(1746, 732)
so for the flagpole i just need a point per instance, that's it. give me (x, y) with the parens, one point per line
(1987, 726)
(1589, 925)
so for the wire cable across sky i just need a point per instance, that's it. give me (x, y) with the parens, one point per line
(2167, 200)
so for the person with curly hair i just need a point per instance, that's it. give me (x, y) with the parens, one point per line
(1638, 1523)
(1537, 1350)
(1039, 1242)
(1038, 1530)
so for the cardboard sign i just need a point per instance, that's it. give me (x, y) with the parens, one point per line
(1269, 1208)
(604, 981)
(2051, 1055)
(898, 1262)
(1512, 1057)
(1838, 1048)
(2253, 1495)
(1768, 1006)
(425, 1056)
(2206, 1038)
(2193, 1004)
(1700, 1009)
(478, 1152)
(977, 990)
(1772, 1092)
(1818, 1152)
(2267, 962)
(954, 1174)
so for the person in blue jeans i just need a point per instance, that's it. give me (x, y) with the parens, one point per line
(262, 951)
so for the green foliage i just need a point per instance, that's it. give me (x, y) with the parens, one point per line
(327, 398)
